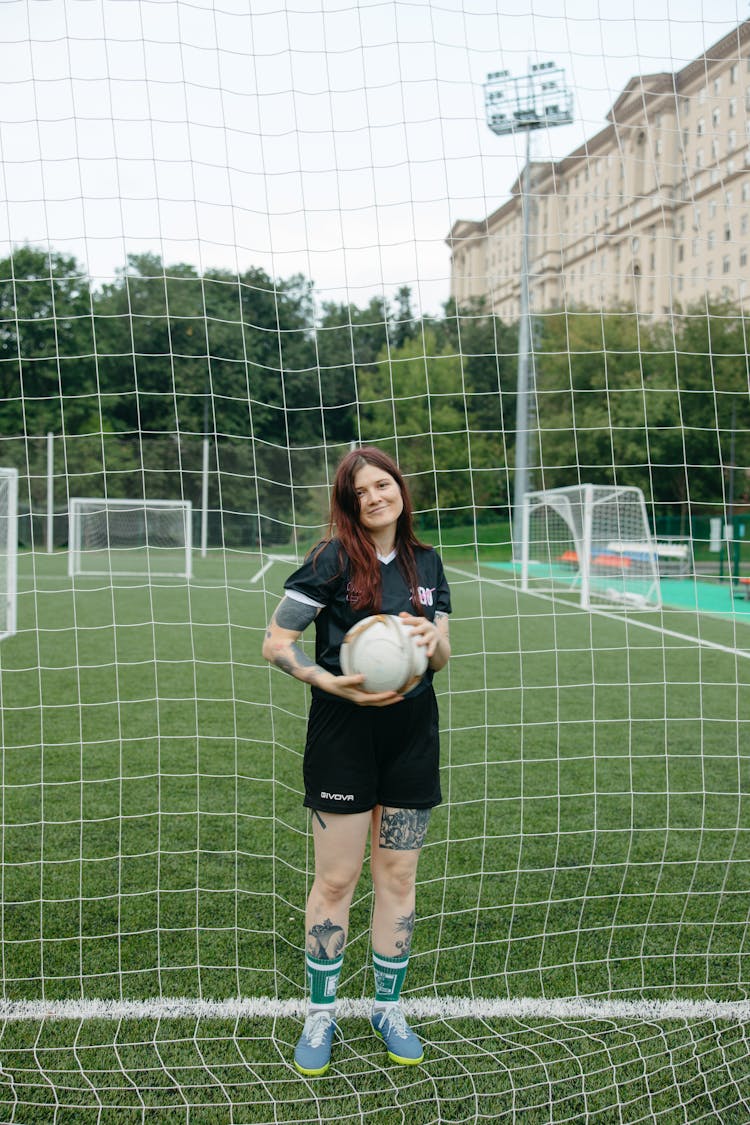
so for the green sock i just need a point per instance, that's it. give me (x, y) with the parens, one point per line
(322, 979)
(390, 973)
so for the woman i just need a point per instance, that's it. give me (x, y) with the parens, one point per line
(371, 760)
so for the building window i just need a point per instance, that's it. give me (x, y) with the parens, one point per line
(725, 266)
(716, 117)
(711, 240)
(731, 140)
(711, 208)
(680, 253)
(732, 107)
(717, 85)
(700, 127)
(743, 225)
(733, 72)
(727, 234)
(743, 256)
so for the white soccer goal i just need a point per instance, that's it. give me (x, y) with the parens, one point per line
(130, 537)
(593, 540)
(8, 551)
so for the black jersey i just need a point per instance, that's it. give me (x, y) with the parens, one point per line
(324, 580)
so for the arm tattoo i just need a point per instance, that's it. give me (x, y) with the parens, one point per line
(403, 830)
(325, 940)
(294, 615)
(405, 926)
(299, 659)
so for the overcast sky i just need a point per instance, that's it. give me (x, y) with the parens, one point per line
(333, 138)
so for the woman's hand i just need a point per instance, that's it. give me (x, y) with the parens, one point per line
(433, 635)
(348, 687)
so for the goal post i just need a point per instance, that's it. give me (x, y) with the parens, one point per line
(8, 551)
(130, 537)
(593, 540)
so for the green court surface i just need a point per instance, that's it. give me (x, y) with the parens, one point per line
(694, 594)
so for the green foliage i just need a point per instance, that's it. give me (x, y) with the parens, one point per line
(133, 376)
(414, 402)
(651, 404)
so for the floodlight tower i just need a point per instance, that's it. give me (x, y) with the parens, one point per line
(538, 100)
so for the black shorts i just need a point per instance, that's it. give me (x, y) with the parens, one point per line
(359, 757)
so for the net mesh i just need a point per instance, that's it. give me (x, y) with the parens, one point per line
(236, 238)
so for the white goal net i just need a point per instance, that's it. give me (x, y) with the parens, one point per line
(130, 537)
(594, 540)
(238, 237)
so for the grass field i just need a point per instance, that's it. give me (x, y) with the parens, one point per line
(594, 842)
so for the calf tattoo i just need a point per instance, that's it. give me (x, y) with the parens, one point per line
(404, 830)
(325, 940)
(405, 926)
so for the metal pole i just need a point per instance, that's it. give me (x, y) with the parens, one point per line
(731, 561)
(50, 492)
(204, 500)
(521, 479)
(204, 471)
(540, 100)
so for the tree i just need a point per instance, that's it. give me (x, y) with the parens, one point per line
(47, 358)
(414, 403)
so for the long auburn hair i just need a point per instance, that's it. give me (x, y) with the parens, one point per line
(344, 524)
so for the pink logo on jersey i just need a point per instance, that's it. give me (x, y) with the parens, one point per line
(424, 593)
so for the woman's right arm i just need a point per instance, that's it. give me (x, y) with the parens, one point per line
(280, 648)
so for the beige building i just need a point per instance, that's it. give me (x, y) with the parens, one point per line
(651, 212)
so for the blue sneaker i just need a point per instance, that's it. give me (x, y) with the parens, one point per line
(403, 1045)
(312, 1055)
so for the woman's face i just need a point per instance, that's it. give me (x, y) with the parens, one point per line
(380, 500)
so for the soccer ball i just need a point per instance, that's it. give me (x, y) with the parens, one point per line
(383, 649)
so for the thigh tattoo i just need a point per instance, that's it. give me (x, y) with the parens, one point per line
(404, 830)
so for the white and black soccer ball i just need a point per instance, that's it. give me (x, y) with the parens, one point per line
(382, 648)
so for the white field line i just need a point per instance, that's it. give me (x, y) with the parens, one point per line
(622, 617)
(270, 560)
(447, 1008)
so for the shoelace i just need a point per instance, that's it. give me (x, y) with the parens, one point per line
(397, 1020)
(316, 1028)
